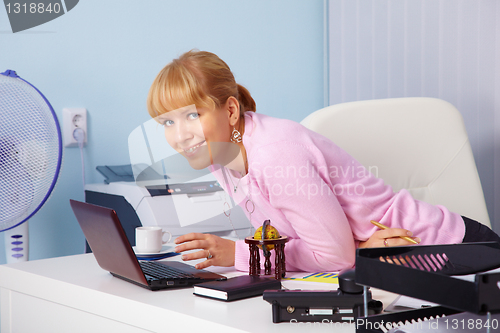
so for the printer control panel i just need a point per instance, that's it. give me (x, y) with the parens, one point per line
(186, 188)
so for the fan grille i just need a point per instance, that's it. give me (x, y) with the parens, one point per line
(29, 145)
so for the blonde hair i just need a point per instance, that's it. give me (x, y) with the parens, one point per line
(196, 77)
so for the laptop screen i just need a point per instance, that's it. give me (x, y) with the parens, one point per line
(108, 241)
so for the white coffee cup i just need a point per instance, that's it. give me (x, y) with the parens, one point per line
(150, 239)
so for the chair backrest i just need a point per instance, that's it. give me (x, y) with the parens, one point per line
(419, 144)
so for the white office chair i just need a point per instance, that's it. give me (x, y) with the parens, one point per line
(419, 144)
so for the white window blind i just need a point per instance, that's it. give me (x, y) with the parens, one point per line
(449, 49)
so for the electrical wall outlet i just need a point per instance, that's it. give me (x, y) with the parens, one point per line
(73, 119)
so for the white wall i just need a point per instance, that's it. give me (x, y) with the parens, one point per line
(103, 55)
(449, 49)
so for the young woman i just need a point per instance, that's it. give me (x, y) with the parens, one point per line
(311, 190)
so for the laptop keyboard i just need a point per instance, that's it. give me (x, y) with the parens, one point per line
(159, 271)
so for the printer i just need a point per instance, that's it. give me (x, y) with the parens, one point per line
(199, 205)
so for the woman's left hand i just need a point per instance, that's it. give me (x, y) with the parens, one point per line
(389, 237)
(218, 251)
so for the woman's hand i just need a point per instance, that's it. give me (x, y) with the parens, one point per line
(389, 237)
(218, 251)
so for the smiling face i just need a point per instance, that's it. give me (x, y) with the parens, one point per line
(201, 133)
(189, 130)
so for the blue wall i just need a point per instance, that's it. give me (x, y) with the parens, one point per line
(103, 56)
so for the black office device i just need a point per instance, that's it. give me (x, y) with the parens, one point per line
(341, 305)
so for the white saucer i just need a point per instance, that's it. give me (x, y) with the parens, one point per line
(164, 249)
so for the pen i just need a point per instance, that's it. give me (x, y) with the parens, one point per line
(383, 227)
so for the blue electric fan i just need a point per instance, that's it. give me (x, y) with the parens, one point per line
(30, 159)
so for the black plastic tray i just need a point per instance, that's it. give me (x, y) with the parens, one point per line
(433, 273)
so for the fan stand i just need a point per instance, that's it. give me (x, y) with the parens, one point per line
(17, 243)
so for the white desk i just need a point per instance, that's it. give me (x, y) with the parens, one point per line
(73, 294)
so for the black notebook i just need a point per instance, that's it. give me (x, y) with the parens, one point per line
(237, 288)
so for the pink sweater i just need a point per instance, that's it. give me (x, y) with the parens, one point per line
(322, 199)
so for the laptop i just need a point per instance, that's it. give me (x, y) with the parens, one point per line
(113, 253)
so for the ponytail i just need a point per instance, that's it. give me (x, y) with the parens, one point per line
(247, 103)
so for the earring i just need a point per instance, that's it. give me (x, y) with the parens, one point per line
(235, 136)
